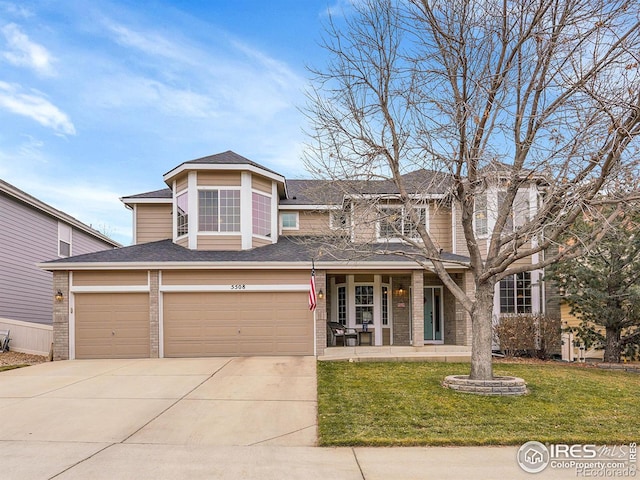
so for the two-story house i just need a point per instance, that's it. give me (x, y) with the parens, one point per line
(32, 231)
(222, 259)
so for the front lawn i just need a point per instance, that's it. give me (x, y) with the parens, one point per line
(384, 404)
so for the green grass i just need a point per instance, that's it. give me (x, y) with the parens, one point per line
(384, 404)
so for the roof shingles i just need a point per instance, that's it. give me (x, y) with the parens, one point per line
(286, 250)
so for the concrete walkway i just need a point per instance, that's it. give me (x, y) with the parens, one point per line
(226, 418)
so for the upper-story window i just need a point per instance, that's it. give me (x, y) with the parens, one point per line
(219, 210)
(261, 214)
(289, 220)
(182, 217)
(480, 214)
(516, 218)
(395, 222)
(64, 240)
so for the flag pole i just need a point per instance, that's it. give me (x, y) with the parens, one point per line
(312, 286)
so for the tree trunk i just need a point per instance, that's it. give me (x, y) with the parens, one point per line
(482, 334)
(612, 347)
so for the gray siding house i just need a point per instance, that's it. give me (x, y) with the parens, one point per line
(30, 232)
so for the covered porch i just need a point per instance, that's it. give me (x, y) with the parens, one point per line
(385, 310)
(425, 353)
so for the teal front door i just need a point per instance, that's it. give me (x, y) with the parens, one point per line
(433, 324)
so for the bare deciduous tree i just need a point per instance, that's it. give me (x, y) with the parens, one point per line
(486, 92)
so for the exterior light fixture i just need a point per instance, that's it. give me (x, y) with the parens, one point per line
(320, 294)
(58, 296)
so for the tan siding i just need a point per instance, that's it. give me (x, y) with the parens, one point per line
(440, 226)
(260, 242)
(568, 320)
(311, 223)
(110, 278)
(261, 183)
(153, 222)
(219, 179)
(461, 243)
(229, 277)
(183, 242)
(365, 218)
(182, 182)
(219, 242)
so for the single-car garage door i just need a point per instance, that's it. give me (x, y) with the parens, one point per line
(237, 323)
(112, 325)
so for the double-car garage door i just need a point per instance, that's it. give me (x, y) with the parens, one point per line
(237, 323)
(194, 324)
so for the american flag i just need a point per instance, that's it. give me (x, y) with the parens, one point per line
(312, 288)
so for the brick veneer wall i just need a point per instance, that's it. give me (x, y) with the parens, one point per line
(61, 316)
(401, 307)
(321, 313)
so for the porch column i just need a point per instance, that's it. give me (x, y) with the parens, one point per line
(320, 313)
(417, 304)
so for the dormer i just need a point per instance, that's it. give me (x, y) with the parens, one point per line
(224, 202)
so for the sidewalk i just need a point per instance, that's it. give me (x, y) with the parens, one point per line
(81, 461)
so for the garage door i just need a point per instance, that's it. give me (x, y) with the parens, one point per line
(112, 325)
(237, 323)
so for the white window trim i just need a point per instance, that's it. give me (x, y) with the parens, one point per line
(486, 213)
(218, 188)
(426, 209)
(297, 217)
(61, 227)
(175, 214)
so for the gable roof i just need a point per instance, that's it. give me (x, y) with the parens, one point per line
(31, 201)
(227, 158)
(287, 251)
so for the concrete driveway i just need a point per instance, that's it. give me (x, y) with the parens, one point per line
(208, 401)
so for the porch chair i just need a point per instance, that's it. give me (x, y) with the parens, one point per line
(4, 340)
(336, 330)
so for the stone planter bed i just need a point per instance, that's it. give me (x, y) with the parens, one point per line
(499, 386)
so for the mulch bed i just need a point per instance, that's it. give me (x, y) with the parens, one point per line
(18, 358)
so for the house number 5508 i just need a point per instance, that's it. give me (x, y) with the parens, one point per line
(238, 286)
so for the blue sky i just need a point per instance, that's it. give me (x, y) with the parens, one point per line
(98, 99)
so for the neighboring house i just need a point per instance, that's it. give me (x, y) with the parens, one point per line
(222, 258)
(573, 348)
(32, 232)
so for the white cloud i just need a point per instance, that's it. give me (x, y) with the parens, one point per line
(341, 8)
(148, 42)
(25, 53)
(16, 10)
(130, 92)
(35, 106)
